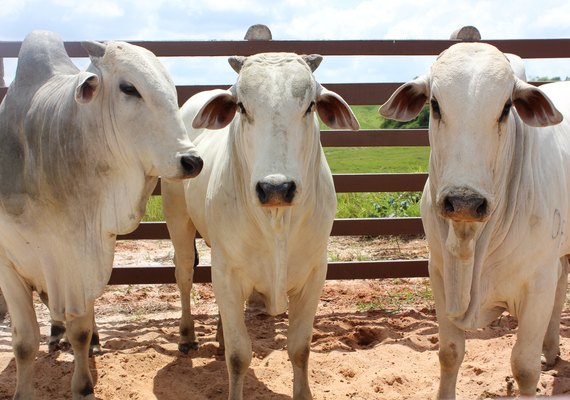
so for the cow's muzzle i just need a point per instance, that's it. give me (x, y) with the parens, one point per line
(464, 204)
(191, 165)
(275, 194)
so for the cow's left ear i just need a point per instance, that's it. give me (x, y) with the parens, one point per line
(533, 106)
(87, 87)
(334, 111)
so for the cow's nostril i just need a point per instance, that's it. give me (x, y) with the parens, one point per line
(481, 209)
(261, 192)
(448, 205)
(192, 165)
(289, 188)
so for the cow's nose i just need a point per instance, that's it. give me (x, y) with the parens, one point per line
(465, 207)
(191, 165)
(275, 194)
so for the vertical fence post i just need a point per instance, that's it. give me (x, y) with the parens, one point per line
(258, 32)
(2, 83)
(466, 34)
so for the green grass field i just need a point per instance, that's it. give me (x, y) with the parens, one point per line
(361, 160)
(356, 160)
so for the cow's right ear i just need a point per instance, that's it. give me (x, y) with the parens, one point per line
(407, 101)
(87, 87)
(217, 112)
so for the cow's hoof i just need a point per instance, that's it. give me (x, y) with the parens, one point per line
(186, 347)
(95, 350)
(58, 346)
(547, 364)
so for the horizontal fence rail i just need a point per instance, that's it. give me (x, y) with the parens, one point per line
(525, 48)
(374, 93)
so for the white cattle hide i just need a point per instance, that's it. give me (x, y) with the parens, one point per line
(496, 205)
(80, 154)
(265, 202)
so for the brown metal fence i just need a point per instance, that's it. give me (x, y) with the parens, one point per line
(355, 94)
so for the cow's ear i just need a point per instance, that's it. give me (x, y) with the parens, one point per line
(334, 111)
(407, 101)
(87, 87)
(217, 112)
(533, 106)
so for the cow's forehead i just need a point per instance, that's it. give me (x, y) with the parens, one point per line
(139, 66)
(276, 74)
(471, 62)
(134, 58)
(123, 50)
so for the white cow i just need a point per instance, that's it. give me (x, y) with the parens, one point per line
(265, 202)
(80, 152)
(496, 205)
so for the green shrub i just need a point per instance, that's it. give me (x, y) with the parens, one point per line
(378, 205)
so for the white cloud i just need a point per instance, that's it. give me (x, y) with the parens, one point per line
(10, 8)
(99, 8)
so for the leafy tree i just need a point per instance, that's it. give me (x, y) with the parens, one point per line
(548, 79)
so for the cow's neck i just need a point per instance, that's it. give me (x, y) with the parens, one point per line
(125, 186)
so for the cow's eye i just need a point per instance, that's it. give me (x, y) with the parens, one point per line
(311, 108)
(241, 108)
(506, 111)
(129, 90)
(435, 109)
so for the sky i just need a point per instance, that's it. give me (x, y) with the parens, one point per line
(77, 20)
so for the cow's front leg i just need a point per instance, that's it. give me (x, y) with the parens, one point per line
(533, 312)
(302, 309)
(451, 342)
(185, 260)
(57, 336)
(79, 332)
(25, 331)
(183, 234)
(551, 343)
(58, 339)
(230, 295)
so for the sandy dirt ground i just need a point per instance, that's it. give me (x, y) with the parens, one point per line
(373, 339)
